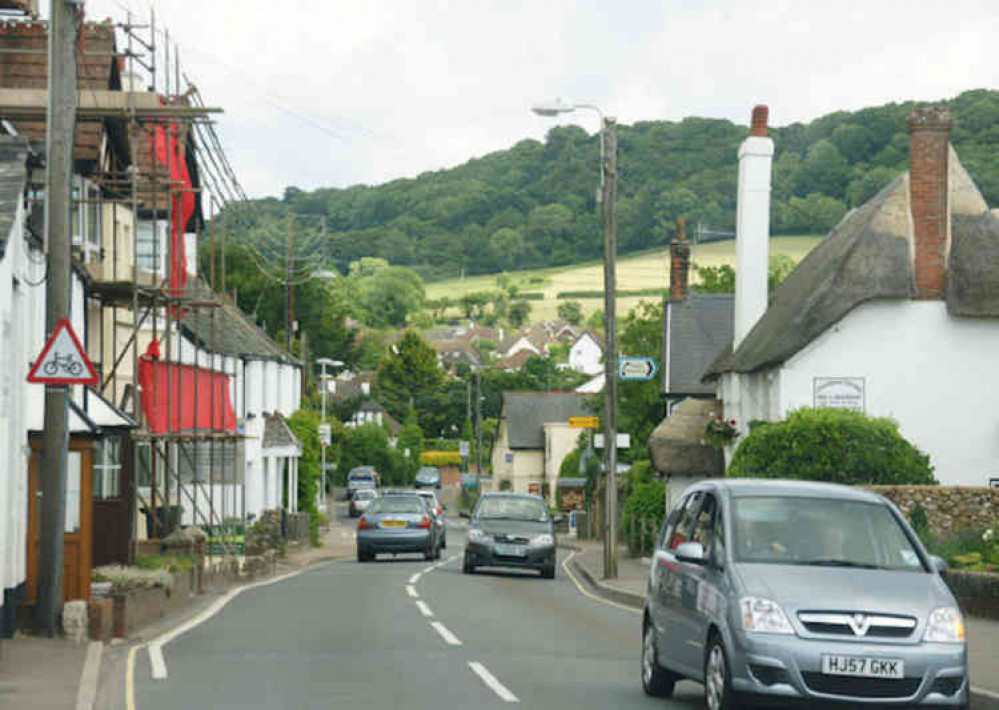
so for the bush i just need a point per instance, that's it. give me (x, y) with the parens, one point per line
(124, 579)
(440, 458)
(171, 563)
(968, 550)
(834, 445)
(531, 296)
(647, 506)
(505, 484)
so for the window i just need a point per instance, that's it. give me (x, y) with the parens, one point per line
(149, 251)
(684, 528)
(107, 468)
(74, 464)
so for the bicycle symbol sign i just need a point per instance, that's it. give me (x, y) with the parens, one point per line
(63, 360)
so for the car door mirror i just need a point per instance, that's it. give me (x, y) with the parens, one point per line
(464, 514)
(443, 506)
(692, 552)
(939, 563)
(558, 518)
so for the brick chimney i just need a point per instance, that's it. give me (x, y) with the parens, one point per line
(929, 145)
(752, 227)
(679, 263)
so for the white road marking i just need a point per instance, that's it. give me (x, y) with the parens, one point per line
(415, 578)
(494, 685)
(156, 660)
(450, 638)
(411, 591)
(585, 592)
(424, 609)
(987, 693)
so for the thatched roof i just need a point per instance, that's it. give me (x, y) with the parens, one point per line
(869, 256)
(675, 445)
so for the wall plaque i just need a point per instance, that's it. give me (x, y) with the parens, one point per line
(839, 392)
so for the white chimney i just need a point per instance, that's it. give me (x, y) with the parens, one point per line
(752, 227)
(366, 388)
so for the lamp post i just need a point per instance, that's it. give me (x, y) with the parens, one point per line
(323, 363)
(608, 203)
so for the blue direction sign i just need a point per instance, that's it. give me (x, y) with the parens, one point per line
(636, 368)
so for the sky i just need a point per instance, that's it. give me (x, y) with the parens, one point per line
(333, 93)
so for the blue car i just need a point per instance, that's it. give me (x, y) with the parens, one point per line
(398, 524)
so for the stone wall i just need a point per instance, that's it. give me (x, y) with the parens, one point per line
(298, 527)
(948, 508)
(265, 534)
(977, 593)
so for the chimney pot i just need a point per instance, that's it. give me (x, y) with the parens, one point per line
(761, 114)
(929, 148)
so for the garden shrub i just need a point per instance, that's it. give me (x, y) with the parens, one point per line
(647, 504)
(834, 445)
(440, 458)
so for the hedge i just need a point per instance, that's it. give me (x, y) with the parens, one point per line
(440, 458)
(532, 296)
(834, 445)
(620, 293)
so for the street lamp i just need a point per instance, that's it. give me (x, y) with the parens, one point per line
(608, 202)
(323, 363)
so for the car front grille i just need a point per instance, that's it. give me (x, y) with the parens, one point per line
(511, 539)
(838, 623)
(860, 687)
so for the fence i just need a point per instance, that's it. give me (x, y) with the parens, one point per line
(640, 533)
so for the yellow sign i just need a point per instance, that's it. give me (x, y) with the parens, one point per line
(584, 422)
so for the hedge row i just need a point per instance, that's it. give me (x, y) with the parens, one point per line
(620, 293)
(530, 296)
(440, 458)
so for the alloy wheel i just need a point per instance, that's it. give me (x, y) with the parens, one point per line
(648, 657)
(714, 680)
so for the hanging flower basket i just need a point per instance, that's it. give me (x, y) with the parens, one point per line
(718, 431)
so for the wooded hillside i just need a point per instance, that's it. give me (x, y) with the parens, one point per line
(534, 204)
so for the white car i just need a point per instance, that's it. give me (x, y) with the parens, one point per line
(438, 509)
(361, 500)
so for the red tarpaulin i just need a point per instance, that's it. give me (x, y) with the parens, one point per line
(169, 152)
(202, 404)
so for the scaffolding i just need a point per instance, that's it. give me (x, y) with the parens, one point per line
(140, 297)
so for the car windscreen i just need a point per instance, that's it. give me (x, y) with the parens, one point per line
(365, 494)
(503, 508)
(361, 476)
(398, 505)
(430, 474)
(822, 532)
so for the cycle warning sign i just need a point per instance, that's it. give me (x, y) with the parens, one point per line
(62, 360)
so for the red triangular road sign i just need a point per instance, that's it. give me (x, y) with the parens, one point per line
(62, 360)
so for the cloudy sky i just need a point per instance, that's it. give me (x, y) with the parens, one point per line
(331, 93)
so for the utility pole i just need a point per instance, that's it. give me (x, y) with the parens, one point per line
(60, 135)
(609, 171)
(289, 304)
(478, 429)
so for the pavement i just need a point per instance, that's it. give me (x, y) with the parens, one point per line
(633, 574)
(53, 674)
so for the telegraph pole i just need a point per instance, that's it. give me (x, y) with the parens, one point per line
(609, 172)
(289, 305)
(59, 139)
(478, 429)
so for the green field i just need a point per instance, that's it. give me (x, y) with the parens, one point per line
(649, 269)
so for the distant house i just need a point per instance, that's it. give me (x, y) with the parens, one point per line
(514, 344)
(357, 387)
(451, 353)
(534, 437)
(895, 313)
(586, 354)
(515, 362)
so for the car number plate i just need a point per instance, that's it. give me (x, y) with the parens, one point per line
(393, 523)
(511, 550)
(863, 666)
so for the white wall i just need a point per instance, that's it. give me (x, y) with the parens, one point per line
(586, 356)
(935, 374)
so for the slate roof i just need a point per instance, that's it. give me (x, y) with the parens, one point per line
(370, 405)
(233, 332)
(868, 256)
(345, 389)
(277, 433)
(13, 174)
(515, 361)
(526, 413)
(696, 331)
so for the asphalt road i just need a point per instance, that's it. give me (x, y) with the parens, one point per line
(407, 633)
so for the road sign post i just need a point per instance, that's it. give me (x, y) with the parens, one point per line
(584, 422)
(63, 361)
(636, 369)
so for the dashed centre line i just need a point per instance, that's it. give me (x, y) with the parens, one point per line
(411, 591)
(416, 577)
(490, 680)
(448, 637)
(424, 609)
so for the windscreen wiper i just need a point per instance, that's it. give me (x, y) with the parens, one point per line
(837, 563)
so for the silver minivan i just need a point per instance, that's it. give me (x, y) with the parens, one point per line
(787, 590)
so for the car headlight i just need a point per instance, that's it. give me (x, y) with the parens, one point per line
(542, 540)
(476, 535)
(764, 616)
(945, 625)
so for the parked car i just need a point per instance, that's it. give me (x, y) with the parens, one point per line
(439, 510)
(510, 530)
(361, 500)
(428, 477)
(397, 524)
(808, 592)
(361, 477)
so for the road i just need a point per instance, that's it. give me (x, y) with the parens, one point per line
(407, 633)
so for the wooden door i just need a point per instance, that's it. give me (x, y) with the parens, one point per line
(112, 493)
(77, 538)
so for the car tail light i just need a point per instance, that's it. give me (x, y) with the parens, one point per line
(363, 524)
(424, 522)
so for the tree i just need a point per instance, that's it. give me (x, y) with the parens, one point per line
(721, 279)
(571, 311)
(304, 423)
(640, 406)
(389, 295)
(411, 440)
(519, 312)
(834, 445)
(409, 375)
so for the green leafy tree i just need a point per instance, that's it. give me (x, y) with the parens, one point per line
(390, 295)
(571, 312)
(834, 445)
(411, 439)
(640, 406)
(305, 425)
(519, 313)
(714, 279)
(409, 375)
